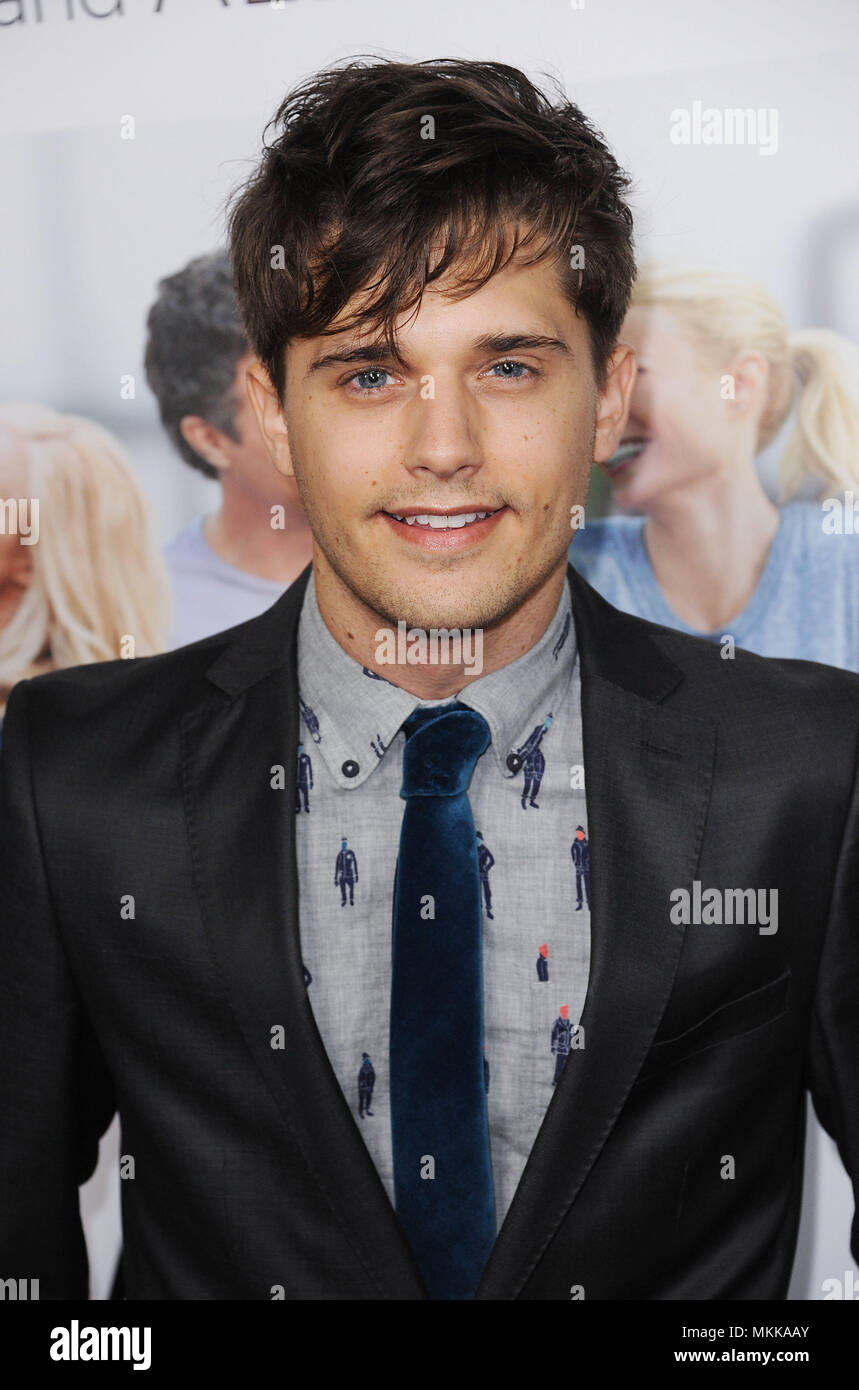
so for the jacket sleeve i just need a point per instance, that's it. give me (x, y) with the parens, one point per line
(833, 1057)
(56, 1096)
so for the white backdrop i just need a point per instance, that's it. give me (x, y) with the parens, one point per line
(91, 221)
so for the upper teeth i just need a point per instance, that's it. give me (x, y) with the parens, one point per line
(439, 523)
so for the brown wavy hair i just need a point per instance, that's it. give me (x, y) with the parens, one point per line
(378, 176)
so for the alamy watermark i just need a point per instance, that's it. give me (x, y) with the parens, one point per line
(718, 125)
(19, 516)
(840, 515)
(725, 906)
(76, 1343)
(435, 646)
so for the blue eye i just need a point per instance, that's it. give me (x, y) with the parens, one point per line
(508, 362)
(368, 372)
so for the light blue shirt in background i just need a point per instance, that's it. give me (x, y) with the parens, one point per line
(806, 604)
(208, 594)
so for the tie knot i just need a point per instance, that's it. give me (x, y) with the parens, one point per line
(443, 744)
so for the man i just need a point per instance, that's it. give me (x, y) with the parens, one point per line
(437, 372)
(562, 1041)
(303, 781)
(346, 873)
(581, 855)
(533, 761)
(233, 563)
(485, 861)
(366, 1080)
(543, 964)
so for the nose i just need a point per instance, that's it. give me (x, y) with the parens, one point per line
(443, 436)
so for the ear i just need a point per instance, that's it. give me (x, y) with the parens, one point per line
(750, 374)
(614, 401)
(205, 440)
(270, 417)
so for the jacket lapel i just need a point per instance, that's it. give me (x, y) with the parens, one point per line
(242, 837)
(648, 771)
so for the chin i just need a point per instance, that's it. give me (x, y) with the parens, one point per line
(459, 605)
(477, 606)
(458, 612)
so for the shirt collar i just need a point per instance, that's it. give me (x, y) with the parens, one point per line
(352, 715)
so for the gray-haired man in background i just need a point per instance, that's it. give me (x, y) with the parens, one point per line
(233, 563)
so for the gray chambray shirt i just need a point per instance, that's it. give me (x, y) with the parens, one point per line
(531, 824)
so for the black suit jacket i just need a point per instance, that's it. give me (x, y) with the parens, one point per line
(149, 782)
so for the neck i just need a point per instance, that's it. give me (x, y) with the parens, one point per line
(354, 626)
(241, 533)
(708, 543)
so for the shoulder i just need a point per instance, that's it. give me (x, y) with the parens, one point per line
(794, 696)
(124, 703)
(715, 680)
(105, 696)
(828, 529)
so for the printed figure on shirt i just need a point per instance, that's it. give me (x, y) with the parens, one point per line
(556, 650)
(310, 720)
(303, 780)
(366, 1082)
(346, 873)
(378, 745)
(485, 860)
(581, 852)
(533, 763)
(562, 1040)
(543, 963)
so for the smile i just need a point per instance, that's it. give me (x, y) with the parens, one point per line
(444, 532)
(446, 522)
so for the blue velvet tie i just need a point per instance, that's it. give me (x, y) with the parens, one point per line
(442, 1176)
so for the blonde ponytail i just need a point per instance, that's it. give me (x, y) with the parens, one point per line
(824, 440)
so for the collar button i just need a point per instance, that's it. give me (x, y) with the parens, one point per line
(514, 762)
(350, 768)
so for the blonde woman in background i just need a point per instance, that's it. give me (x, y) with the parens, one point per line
(719, 375)
(95, 575)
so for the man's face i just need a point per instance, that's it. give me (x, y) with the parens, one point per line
(474, 420)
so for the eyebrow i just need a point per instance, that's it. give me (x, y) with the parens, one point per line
(495, 343)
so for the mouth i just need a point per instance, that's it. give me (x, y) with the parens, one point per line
(444, 530)
(441, 521)
(629, 450)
